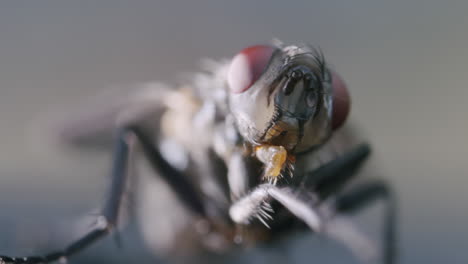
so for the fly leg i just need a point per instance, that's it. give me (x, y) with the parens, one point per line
(184, 190)
(322, 182)
(331, 177)
(255, 205)
(237, 175)
(108, 220)
(364, 195)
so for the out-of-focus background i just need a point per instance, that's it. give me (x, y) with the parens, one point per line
(406, 63)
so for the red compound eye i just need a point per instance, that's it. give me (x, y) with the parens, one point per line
(341, 101)
(247, 66)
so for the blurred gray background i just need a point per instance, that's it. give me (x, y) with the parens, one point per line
(406, 63)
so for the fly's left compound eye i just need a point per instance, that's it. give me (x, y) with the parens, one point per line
(247, 67)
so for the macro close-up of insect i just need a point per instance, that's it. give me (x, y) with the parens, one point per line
(225, 132)
(239, 150)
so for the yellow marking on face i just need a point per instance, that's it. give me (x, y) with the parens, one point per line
(273, 132)
(282, 134)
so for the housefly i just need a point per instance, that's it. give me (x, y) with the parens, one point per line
(235, 157)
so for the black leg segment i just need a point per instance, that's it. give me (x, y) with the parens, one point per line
(330, 177)
(180, 185)
(364, 195)
(176, 180)
(105, 222)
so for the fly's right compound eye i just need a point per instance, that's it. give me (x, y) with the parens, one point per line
(247, 67)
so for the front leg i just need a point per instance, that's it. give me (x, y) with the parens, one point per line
(322, 182)
(256, 205)
(105, 223)
(108, 219)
